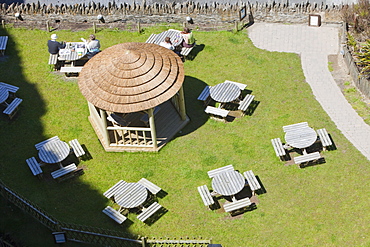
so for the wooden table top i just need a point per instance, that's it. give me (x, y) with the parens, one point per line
(301, 138)
(131, 195)
(54, 152)
(225, 92)
(228, 183)
(175, 36)
(71, 52)
(4, 94)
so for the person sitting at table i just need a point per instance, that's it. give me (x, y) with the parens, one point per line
(54, 46)
(92, 45)
(168, 44)
(189, 40)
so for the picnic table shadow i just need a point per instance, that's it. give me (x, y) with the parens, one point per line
(195, 51)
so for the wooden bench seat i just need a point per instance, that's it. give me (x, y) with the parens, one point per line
(39, 145)
(307, 157)
(148, 212)
(241, 86)
(64, 171)
(153, 188)
(185, 51)
(252, 181)
(53, 59)
(324, 138)
(206, 195)
(3, 43)
(244, 104)
(114, 214)
(71, 69)
(114, 189)
(34, 166)
(214, 172)
(77, 148)
(294, 127)
(11, 88)
(205, 95)
(278, 147)
(216, 111)
(236, 205)
(13, 107)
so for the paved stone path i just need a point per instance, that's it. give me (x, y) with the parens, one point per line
(314, 44)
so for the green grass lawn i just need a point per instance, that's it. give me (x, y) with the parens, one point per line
(322, 205)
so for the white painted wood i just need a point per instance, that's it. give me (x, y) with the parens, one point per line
(236, 205)
(3, 43)
(278, 147)
(34, 166)
(240, 85)
(216, 111)
(77, 148)
(114, 214)
(115, 189)
(12, 108)
(228, 183)
(307, 158)
(71, 69)
(147, 212)
(153, 188)
(64, 171)
(324, 137)
(252, 180)
(206, 195)
(214, 172)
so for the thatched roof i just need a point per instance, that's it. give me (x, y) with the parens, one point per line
(131, 77)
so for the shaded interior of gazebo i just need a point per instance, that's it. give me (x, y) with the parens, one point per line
(135, 96)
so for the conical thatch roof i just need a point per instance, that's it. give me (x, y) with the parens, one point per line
(131, 77)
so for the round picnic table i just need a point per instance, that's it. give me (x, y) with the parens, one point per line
(225, 92)
(4, 94)
(131, 195)
(228, 183)
(54, 152)
(301, 138)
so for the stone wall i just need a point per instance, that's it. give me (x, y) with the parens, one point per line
(212, 16)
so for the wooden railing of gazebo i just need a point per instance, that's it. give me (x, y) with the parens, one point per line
(126, 136)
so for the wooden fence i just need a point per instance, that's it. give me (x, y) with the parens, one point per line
(88, 234)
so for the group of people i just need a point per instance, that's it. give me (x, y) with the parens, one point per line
(188, 41)
(92, 45)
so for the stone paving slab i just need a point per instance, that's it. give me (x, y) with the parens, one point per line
(314, 44)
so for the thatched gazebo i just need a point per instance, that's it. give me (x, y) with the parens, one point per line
(135, 96)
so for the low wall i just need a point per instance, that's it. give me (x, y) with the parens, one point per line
(212, 16)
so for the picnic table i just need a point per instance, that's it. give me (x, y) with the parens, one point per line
(228, 183)
(4, 94)
(54, 152)
(72, 52)
(225, 92)
(301, 138)
(175, 36)
(131, 195)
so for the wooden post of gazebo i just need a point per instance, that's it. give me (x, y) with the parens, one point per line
(152, 128)
(182, 104)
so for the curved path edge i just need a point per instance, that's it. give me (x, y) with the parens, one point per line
(315, 44)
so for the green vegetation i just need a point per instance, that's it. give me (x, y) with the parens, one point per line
(325, 204)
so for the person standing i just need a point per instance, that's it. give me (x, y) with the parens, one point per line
(54, 46)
